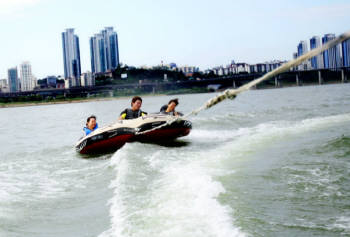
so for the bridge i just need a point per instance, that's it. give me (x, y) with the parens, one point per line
(290, 78)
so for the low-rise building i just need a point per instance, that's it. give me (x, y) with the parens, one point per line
(87, 79)
(3, 83)
(4, 86)
(242, 68)
(188, 69)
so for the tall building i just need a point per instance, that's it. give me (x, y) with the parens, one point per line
(71, 57)
(302, 49)
(104, 51)
(26, 77)
(332, 56)
(317, 61)
(346, 53)
(13, 82)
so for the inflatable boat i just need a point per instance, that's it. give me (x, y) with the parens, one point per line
(142, 129)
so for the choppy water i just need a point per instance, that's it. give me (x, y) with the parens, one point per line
(270, 163)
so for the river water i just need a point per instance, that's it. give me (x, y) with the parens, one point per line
(269, 163)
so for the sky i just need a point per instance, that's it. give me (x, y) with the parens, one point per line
(202, 33)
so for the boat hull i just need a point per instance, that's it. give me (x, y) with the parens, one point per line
(108, 141)
(169, 132)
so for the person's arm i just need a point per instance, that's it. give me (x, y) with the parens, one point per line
(168, 110)
(122, 115)
(163, 108)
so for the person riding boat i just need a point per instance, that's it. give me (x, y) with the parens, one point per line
(170, 108)
(91, 125)
(135, 110)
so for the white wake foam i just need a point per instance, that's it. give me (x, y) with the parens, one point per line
(181, 198)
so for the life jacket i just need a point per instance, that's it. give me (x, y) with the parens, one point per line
(88, 130)
(130, 114)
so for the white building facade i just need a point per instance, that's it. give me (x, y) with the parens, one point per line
(26, 77)
(87, 79)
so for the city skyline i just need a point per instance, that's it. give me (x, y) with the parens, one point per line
(204, 34)
(104, 43)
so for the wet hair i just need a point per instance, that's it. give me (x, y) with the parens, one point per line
(135, 98)
(89, 118)
(176, 101)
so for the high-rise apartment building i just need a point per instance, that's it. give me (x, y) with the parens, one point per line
(317, 61)
(104, 51)
(346, 53)
(13, 82)
(302, 49)
(332, 56)
(26, 78)
(71, 57)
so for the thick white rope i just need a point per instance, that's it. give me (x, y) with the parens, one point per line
(232, 93)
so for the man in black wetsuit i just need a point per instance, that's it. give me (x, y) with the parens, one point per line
(135, 110)
(170, 108)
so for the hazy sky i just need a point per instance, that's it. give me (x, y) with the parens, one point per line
(201, 33)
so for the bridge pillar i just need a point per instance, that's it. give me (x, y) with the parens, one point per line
(234, 84)
(277, 81)
(320, 79)
(297, 79)
(343, 76)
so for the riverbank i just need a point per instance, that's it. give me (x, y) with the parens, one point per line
(68, 101)
(100, 98)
